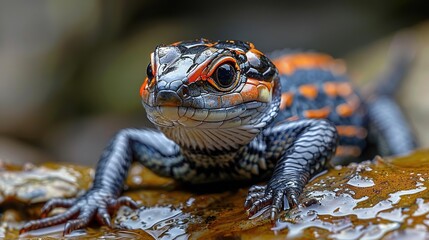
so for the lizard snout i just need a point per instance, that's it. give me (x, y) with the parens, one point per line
(168, 98)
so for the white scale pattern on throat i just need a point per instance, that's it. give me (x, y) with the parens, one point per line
(211, 139)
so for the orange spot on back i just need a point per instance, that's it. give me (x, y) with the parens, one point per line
(353, 151)
(289, 63)
(345, 110)
(318, 113)
(330, 89)
(344, 89)
(309, 91)
(352, 131)
(286, 100)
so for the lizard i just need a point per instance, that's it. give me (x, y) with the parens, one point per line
(224, 111)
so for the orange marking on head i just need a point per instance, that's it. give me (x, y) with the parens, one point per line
(318, 113)
(256, 82)
(253, 81)
(352, 131)
(143, 87)
(256, 52)
(286, 100)
(209, 66)
(237, 51)
(345, 110)
(344, 151)
(249, 93)
(309, 91)
(215, 64)
(330, 89)
(289, 63)
(268, 85)
(344, 89)
(197, 72)
(231, 99)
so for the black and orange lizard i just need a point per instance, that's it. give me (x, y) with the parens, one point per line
(226, 112)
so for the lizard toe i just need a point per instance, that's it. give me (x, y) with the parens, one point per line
(54, 203)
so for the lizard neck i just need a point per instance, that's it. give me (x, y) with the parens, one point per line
(210, 141)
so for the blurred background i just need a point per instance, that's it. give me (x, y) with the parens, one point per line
(70, 71)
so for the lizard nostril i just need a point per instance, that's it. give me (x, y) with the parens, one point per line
(183, 91)
(168, 98)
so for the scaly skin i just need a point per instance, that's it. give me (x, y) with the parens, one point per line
(225, 112)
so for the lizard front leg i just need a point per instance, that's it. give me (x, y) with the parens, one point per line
(301, 148)
(151, 148)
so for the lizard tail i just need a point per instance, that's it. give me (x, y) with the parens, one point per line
(402, 54)
(394, 136)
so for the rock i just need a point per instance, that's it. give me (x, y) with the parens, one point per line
(29, 184)
(382, 198)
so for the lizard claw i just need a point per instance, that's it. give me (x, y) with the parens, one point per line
(122, 201)
(103, 217)
(281, 198)
(94, 204)
(54, 203)
(50, 221)
(277, 204)
(72, 225)
(255, 192)
(259, 204)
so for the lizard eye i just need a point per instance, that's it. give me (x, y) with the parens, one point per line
(224, 76)
(149, 72)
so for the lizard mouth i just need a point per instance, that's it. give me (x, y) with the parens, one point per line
(189, 117)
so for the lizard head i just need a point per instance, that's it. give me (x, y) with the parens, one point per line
(210, 87)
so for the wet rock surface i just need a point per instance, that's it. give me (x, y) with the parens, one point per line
(29, 184)
(383, 198)
(371, 200)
